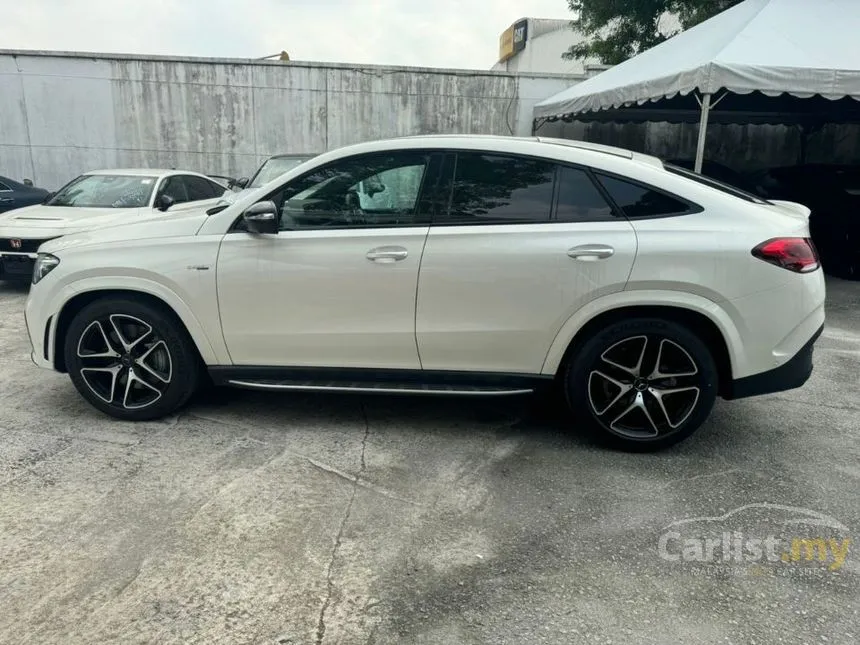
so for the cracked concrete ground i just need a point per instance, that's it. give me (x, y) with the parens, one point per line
(254, 518)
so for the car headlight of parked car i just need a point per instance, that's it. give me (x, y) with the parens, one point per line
(45, 263)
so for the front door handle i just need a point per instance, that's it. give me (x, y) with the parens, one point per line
(591, 252)
(387, 254)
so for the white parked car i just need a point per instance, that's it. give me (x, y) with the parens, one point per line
(481, 266)
(95, 200)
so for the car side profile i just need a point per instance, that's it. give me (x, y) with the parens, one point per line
(458, 265)
(95, 200)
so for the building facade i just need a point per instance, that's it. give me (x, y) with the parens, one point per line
(533, 44)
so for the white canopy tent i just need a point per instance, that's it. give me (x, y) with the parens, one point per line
(805, 49)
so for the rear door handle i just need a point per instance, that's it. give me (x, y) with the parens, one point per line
(387, 254)
(591, 252)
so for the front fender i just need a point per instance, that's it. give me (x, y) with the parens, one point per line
(212, 353)
(653, 298)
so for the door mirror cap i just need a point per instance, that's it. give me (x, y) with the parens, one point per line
(48, 197)
(242, 182)
(261, 218)
(165, 202)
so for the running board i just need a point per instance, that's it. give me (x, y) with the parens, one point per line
(377, 387)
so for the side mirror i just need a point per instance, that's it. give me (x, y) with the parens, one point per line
(262, 218)
(164, 202)
(242, 182)
(48, 198)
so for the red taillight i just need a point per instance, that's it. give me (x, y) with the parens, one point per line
(796, 254)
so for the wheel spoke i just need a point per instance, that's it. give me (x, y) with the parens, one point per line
(658, 395)
(636, 369)
(666, 344)
(127, 343)
(113, 371)
(141, 362)
(623, 388)
(108, 350)
(135, 379)
(637, 403)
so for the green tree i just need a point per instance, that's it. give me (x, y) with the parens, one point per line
(615, 30)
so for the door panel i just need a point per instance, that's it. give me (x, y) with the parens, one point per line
(337, 286)
(315, 298)
(492, 298)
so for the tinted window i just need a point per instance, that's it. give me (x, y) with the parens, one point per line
(199, 188)
(370, 191)
(579, 200)
(640, 201)
(175, 188)
(495, 189)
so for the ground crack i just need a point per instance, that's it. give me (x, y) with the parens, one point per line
(321, 626)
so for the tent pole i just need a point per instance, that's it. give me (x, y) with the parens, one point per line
(703, 130)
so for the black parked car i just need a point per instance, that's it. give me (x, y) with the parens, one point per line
(16, 195)
(833, 193)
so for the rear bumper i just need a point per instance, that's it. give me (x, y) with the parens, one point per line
(791, 374)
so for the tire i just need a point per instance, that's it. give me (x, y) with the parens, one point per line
(642, 409)
(163, 362)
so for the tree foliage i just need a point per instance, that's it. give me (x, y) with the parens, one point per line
(615, 30)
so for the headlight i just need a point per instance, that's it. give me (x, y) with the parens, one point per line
(45, 263)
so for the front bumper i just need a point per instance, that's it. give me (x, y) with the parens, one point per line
(788, 376)
(40, 330)
(17, 266)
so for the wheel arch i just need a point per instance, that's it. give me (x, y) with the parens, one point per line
(718, 332)
(76, 302)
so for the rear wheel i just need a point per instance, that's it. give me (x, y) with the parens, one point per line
(642, 384)
(130, 359)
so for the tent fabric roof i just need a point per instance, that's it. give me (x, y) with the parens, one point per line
(799, 47)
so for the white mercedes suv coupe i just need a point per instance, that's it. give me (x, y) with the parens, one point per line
(447, 265)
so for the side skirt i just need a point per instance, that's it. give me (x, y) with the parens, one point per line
(327, 379)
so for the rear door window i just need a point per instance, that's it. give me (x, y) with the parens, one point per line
(500, 189)
(578, 198)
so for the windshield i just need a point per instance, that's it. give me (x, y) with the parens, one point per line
(273, 168)
(105, 191)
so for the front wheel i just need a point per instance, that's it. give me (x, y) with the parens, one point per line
(642, 384)
(131, 359)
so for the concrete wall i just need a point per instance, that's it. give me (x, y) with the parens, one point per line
(62, 114)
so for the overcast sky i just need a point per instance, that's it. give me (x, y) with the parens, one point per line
(433, 33)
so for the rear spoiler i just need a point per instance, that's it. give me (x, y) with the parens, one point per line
(793, 208)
